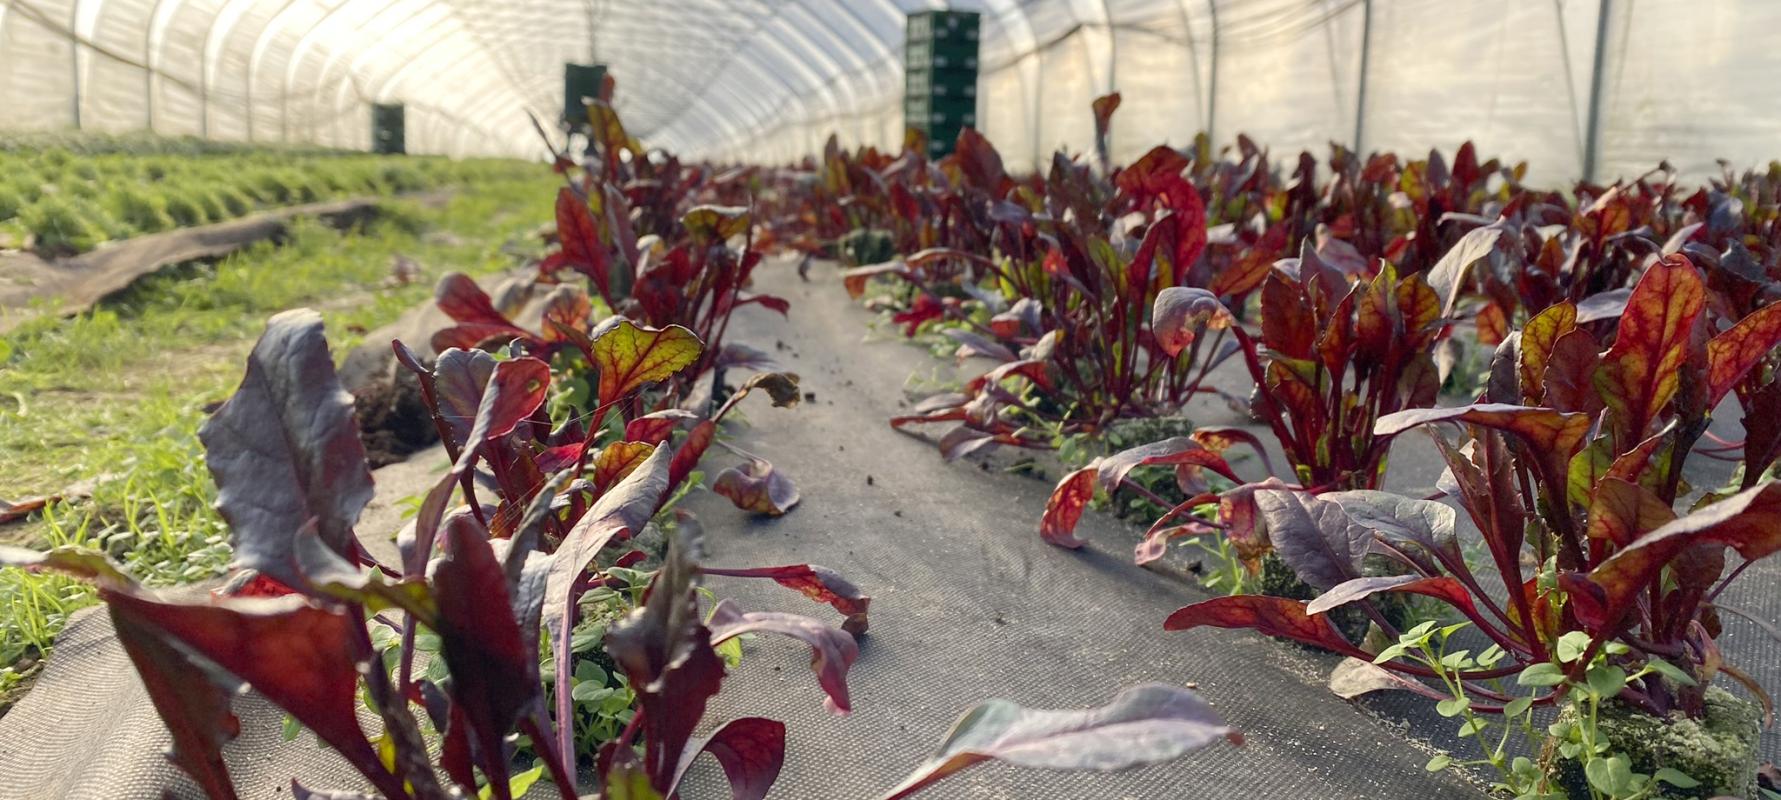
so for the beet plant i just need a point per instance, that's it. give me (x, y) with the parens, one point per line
(630, 226)
(1575, 465)
(497, 581)
(1073, 270)
(1104, 297)
(1333, 356)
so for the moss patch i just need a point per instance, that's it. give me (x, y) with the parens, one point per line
(1278, 580)
(1719, 750)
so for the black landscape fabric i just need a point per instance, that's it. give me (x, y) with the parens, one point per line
(968, 604)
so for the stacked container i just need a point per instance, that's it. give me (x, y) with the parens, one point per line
(940, 76)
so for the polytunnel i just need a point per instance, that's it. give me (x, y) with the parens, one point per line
(781, 399)
(1574, 87)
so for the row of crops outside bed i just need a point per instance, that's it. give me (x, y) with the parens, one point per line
(69, 193)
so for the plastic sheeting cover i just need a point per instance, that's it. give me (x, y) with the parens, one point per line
(769, 80)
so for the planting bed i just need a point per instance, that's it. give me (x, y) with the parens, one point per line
(950, 553)
(968, 604)
(965, 606)
(1553, 605)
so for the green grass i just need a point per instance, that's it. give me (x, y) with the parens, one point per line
(113, 398)
(138, 207)
(62, 224)
(63, 194)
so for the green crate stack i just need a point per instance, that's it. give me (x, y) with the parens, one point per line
(940, 76)
(580, 81)
(388, 124)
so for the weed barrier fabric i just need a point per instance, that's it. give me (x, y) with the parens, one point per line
(969, 604)
(87, 731)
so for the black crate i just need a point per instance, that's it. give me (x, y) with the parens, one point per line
(949, 83)
(580, 81)
(938, 25)
(940, 76)
(388, 129)
(941, 82)
(940, 111)
(941, 55)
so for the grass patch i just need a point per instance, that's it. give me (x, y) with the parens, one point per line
(66, 194)
(112, 398)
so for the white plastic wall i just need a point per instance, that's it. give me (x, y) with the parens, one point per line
(1515, 80)
(1160, 70)
(261, 70)
(1599, 88)
(1690, 82)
